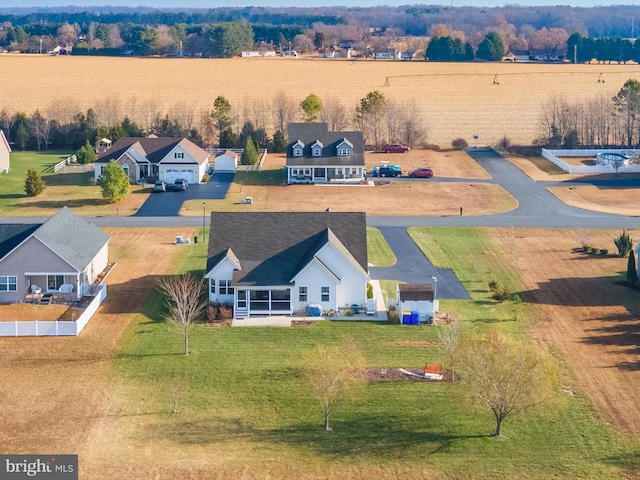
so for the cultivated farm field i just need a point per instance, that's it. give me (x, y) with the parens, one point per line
(490, 100)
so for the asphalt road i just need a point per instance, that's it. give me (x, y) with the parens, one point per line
(536, 208)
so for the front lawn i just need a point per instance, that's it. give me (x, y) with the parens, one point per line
(74, 189)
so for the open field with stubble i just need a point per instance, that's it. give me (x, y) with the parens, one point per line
(455, 100)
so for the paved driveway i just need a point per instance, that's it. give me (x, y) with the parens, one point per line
(413, 267)
(168, 204)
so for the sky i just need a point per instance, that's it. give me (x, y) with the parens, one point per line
(305, 3)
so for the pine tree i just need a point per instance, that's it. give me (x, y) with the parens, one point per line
(34, 184)
(250, 154)
(623, 243)
(632, 273)
(86, 154)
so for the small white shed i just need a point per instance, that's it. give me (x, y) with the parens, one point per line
(417, 297)
(226, 162)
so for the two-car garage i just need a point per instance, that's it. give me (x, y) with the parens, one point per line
(171, 174)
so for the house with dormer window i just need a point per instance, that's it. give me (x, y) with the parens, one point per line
(156, 158)
(317, 155)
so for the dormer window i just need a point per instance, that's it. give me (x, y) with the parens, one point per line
(297, 149)
(344, 148)
(316, 149)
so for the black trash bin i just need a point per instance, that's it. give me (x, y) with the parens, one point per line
(195, 239)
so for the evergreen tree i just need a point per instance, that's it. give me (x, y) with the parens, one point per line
(250, 153)
(228, 139)
(623, 243)
(34, 184)
(86, 154)
(491, 48)
(279, 142)
(632, 273)
(114, 182)
(311, 107)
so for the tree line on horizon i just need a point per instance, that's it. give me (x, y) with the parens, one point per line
(224, 32)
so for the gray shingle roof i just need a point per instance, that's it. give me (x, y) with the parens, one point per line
(153, 148)
(69, 236)
(308, 133)
(273, 246)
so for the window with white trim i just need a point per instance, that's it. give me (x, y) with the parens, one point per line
(225, 287)
(297, 152)
(212, 283)
(54, 282)
(343, 152)
(8, 283)
(316, 152)
(179, 155)
(324, 294)
(302, 294)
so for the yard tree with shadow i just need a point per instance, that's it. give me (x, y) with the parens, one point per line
(334, 372)
(504, 376)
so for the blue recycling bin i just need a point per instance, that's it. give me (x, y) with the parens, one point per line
(355, 309)
(406, 318)
(415, 318)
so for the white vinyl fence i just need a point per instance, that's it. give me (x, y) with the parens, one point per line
(54, 328)
(553, 157)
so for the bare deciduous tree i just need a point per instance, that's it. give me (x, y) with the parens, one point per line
(449, 346)
(284, 110)
(335, 115)
(184, 301)
(504, 377)
(333, 372)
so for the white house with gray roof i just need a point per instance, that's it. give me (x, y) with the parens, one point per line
(62, 256)
(278, 263)
(161, 158)
(316, 155)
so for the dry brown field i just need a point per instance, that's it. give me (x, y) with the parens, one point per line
(619, 201)
(59, 391)
(455, 100)
(388, 197)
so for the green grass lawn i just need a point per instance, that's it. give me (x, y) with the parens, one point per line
(378, 250)
(243, 391)
(13, 183)
(73, 187)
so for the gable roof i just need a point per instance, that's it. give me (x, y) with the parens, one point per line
(415, 291)
(4, 141)
(69, 236)
(153, 149)
(309, 134)
(272, 247)
(12, 235)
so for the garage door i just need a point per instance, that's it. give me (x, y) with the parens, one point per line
(189, 175)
